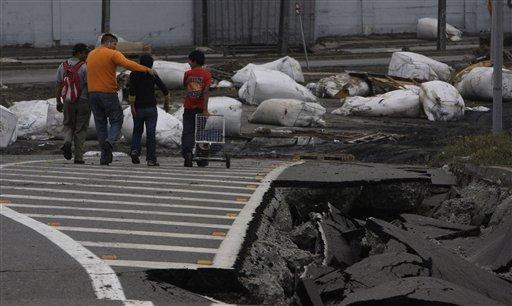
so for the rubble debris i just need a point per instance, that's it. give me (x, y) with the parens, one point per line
(224, 84)
(419, 291)
(272, 132)
(427, 29)
(477, 84)
(340, 86)
(495, 252)
(305, 236)
(380, 83)
(341, 239)
(441, 101)
(268, 84)
(287, 65)
(98, 154)
(482, 109)
(224, 70)
(168, 129)
(8, 124)
(397, 103)
(419, 67)
(289, 112)
(171, 73)
(2, 86)
(312, 87)
(446, 265)
(437, 229)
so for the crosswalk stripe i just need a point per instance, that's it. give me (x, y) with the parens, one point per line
(138, 233)
(60, 183)
(179, 174)
(147, 179)
(123, 220)
(187, 170)
(81, 200)
(127, 211)
(154, 247)
(155, 264)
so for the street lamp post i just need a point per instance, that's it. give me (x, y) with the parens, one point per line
(497, 58)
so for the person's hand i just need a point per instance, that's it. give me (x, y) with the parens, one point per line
(59, 106)
(152, 72)
(166, 103)
(134, 112)
(206, 113)
(166, 107)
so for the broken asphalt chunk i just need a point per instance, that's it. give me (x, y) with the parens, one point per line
(437, 229)
(496, 252)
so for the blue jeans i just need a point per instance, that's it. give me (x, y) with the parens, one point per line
(106, 109)
(148, 116)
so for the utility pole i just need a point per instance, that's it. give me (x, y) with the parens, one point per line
(105, 16)
(283, 26)
(497, 78)
(441, 25)
(205, 22)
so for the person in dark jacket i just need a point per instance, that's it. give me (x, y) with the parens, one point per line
(143, 106)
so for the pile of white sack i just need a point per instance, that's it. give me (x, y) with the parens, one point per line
(438, 100)
(287, 65)
(289, 112)
(477, 84)
(228, 107)
(427, 29)
(171, 73)
(416, 66)
(8, 121)
(337, 85)
(264, 84)
(168, 129)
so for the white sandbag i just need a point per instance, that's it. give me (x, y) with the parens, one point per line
(31, 118)
(268, 84)
(333, 86)
(225, 84)
(441, 101)
(8, 121)
(228, 107)
(427, 29)
(397, 103)
(477, 84)
(287, 65)
(171, 73)
(417, 66)
(289, 112)
(168, 129)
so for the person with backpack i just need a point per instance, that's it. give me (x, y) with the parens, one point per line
(143, 107)
(73, 100)
(102, 84)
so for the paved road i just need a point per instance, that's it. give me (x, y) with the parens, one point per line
(133, 217)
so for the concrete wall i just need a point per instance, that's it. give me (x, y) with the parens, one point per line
(357, 17)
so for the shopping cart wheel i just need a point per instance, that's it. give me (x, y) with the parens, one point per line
(228, 161)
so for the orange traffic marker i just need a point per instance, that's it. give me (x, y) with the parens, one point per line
(109, 257)
(219, 234)
(205, 262)
(54, 224)
(5, 201)
(242, 200)
(232, 215)
(252, 186)
(259, 177)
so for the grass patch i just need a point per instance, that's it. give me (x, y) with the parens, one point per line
(485, 150)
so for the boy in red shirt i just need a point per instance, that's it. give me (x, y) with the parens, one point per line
(197, 83)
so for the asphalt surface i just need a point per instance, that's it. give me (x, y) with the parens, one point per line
(133, 217)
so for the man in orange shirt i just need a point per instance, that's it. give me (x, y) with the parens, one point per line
(102, 85)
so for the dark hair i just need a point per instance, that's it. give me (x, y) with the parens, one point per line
(78, 48)
(146, 60)
(108, 37)
(197, 57)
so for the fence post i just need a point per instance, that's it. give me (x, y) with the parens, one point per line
(105, 16)
(441, 25)
(283, 26)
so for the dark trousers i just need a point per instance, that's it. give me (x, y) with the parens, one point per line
(106, 109)
(149, 117)
(189, 129)
(76, 122)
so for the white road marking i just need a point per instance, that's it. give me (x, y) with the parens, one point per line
(82, 200)
(137, 233)
(140, 221)
(61, 183)
(230, 247)
(184, 170)
(127, 211)
(129, 195)
(192, 175)
(109, 174)
(84, 176)
(153, 247)
(156, 264)
(105, 283)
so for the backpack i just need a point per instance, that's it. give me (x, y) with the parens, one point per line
(71, 82)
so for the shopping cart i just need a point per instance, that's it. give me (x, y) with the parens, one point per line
(210, 140)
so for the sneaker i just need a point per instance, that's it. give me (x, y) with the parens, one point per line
(103, 162)
(108, 152)
(153, 163)
(188, 160)
(66, 149)
(79, 162)
(202, 163)
(135, 157)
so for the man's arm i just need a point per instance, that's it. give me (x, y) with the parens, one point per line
(122, 61)
(58, 88)
(132, 95)
(206, 94)
(165, 91)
